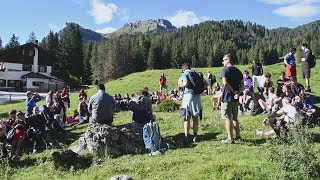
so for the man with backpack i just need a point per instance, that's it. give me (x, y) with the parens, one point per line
(194, 85)
(141, 105)
(233, 86)
(307, 62)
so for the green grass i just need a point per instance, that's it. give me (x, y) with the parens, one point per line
(207, 159)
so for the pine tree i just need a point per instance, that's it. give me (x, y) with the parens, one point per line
(32, 38)
(94, 63)
(13, 42)
(87, 72)
(0, 43)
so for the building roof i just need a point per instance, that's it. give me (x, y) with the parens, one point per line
(35, 75)
(21, 54)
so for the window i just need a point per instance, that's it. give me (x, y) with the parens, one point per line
(42, 69)
(37, 83)
(11, 83)
(31, 52)
(26, 67)
(3, 83)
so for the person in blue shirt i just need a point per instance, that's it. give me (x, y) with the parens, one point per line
(290, 63)
(32, 99)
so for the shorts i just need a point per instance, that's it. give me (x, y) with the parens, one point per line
(229, 110)
(305, 71)
(191, 106)
(291, 71)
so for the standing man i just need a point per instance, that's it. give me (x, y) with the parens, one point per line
(101, 107)
(305, 65)
(290, 63)
(191, 104)
(163, 82)
(257, 72)
(211, 81)
(233, 86)
(32, 99)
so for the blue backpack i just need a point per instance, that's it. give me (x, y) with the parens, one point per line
(151, 136)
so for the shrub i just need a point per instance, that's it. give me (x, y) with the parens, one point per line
(74, 82)
(168, 105)
(295, 158)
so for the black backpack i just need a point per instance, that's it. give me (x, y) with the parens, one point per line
(195, 82)
(311, 61)
(213, 78)
(137, 104)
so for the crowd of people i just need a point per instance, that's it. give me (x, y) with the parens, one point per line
(284, 100)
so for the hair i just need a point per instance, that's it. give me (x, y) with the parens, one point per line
(305, 44)
(101, 87)
(271, 89)
(293, 49)
(267, 75)
(12, 112)
(185, 66)
(82, 91)
(246, 72)
(19, 113)
(288, 87)
(229, 56)
(286, 100)
(144, 92)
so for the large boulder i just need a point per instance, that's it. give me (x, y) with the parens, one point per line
(113, 141)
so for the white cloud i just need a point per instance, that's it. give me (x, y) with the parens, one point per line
(102, 12)
(295, 9)
(106, 30)
(185, 18)
(53, 27)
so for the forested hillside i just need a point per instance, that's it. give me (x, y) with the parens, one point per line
(202, 45)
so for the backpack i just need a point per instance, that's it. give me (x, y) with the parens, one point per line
(312, 61)
(137, 104)
(151, 136)
(213, 78)
(10, 135)
(196, 82)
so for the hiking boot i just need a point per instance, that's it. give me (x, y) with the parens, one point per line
(227, 141)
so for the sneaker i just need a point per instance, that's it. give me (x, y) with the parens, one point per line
(34, 151)
(259, 133)
(227, 141)
(238, 138)
(194, 139)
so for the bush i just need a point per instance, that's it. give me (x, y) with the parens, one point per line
(74, 82)
(168, 105)
(295, 157)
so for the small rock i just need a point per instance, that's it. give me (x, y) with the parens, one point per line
(121, 177)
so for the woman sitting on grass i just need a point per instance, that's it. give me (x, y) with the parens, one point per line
(83, 113)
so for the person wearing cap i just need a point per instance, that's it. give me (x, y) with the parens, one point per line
(101, 107)
(31, 101)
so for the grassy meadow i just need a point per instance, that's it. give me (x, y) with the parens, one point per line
(206, 159)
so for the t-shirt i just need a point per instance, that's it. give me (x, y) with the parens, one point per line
(290, 59)
(163, 80)
(271, 97)
(290, 95)
(280, 83)
(184, 77)
(234, 78)
(257, 69)
(296, 89)
(248, 83)
(291, 114)
(65, 99)
(101, 106)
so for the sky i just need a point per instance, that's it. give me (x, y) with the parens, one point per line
(22, 17)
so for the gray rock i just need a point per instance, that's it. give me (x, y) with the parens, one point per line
(121, 177)
(113, 141)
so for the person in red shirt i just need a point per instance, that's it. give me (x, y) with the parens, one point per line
(163, 82)
(82, 96)
(19, 135)
(65, 98)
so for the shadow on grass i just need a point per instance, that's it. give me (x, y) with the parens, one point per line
(65, 139)
(255, 142)
(22, 163)
(4, 115)
(179, 141)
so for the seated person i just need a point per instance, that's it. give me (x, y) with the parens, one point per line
(144, 116)
(58, 110)
(3, 141)
(125, 101)
(305, 105)
(245, 98)
(216, 98)
(19, 135)
(162, 96)
(36, 130)
(286, 92)
(296, 88)
(281, 82)
(264, 84)
(155, 97)
(267, 105)
(83, 113)
(176, 95)
(289, 116)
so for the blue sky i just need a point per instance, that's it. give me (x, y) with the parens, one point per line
(40, 16)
